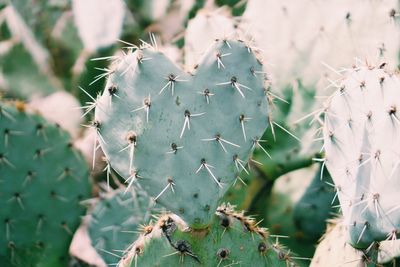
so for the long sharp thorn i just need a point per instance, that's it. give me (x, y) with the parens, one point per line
(362, 233)
(215, 179)
(223, 147)
(162, 192)
(238, 89)
(184, 126)
(230, 143)
(287, 131)
(165, 86)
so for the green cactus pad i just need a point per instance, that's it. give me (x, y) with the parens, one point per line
(278, 212)
(43, 179)
(315, 206)
(232, 239)
(184, 137)
(115, 221)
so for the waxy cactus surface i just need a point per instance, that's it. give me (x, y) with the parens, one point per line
(232, 239)
(184, 137)
(115, 220)
(362, 141)
(43, 179)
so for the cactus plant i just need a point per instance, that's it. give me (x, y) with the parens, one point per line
(228, 126)
(360, 141)
(335, 251)
(232, 239)
(296, 36)
(115, 221)
(18, 59)
(202, 31)
(95, 30)
(288, 153)
(39, 197)
(278, 211)
(314, 207)
(210, 122)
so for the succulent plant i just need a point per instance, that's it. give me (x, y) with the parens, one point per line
(296, 36)
(39, 197)
(231, 239)
(316, 205)
(222, 112)
(209, 121)
(361, 141)
(333, 250)
(115, 221)
(201, 32)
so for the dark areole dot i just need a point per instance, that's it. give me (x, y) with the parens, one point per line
(225, 221)
(112, 89)
(392, 13)
(262, 247)
(40, 244)
(223, 253)
(182, 246)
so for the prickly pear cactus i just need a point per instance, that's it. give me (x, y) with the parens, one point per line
(43, 179)
(304, 35)
(98, 29)
(333, 250)
(232, 239)
(202, 31)
(315, 205)
(115, 221)
(183, 137)
(361, 143)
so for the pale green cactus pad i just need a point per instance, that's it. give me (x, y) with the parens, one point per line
(43, 179)
(184, 137)
(362, 141)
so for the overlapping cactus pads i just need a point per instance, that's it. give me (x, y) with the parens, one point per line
(184, 137)
(232, 239)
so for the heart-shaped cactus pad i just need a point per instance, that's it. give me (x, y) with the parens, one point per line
(184, 138)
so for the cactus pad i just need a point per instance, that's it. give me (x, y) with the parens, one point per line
(115, 220)
(315, 205)
(362, 142)
(232, 239)
(333, 250)
(43, 179)
(183, 137)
